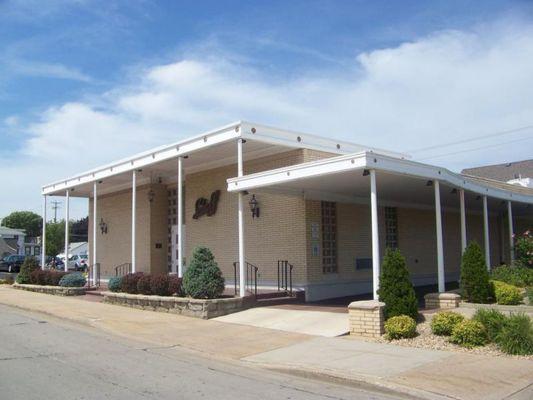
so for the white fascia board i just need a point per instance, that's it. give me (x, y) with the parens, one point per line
(368, 160)
(154, 156)
(312, 169)
(283, 137)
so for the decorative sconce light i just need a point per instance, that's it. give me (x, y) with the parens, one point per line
(254, 206)
(366, 172)
(429, 183)
(103, 226)
(151, 195)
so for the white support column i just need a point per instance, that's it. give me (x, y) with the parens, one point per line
(463, 219)
(511, 230)
(440, 249)
(95, 222)
(43, 238)
(486, 232)
(180, 218)
(67, 201)
(242, 258)
(375, 234)
(133, 209)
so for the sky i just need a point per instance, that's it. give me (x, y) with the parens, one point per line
(85, 82)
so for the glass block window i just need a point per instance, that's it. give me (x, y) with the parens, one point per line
(329, 237)
(391, 227)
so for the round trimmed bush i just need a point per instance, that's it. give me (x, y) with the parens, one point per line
(114, 284)
(129, 282)
(492, 319)
(143, 284)
(203, 279)
(515, 275)
(53, 277)
(159, 285)
(506, 294)
(29, 265)
(442, 323)
(516, 335)
(73, 280)
(400, 326)
(469, 334)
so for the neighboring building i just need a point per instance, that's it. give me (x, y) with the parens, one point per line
(11, 241)
(255, 194)
(515, 173)
(76, 249)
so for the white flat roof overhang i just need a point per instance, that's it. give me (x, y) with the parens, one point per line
(210, 149)
(399, 181)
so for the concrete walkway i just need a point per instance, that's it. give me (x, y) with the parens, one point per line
(418, 372)
(318, 323)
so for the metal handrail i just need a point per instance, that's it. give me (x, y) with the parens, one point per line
(123, 269)
(251, 277)
(285, 276)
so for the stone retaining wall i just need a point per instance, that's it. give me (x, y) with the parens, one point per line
(198, 308)
(55, 290)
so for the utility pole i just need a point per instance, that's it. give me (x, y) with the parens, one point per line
(55, 207)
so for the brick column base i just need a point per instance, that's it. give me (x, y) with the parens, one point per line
(442, 300)
(366, 318)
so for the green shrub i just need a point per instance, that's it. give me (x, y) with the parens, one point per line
(174, 285)
(159, 285)
(442, 323)
(8, 280)
(395, 287)
(114, 284)
(52, 278)
(143, 284)
(74, 279)
(469, 334)
(475, 286)
(38, 277)
(492, 319)
(506, 294)
(516, 335)
(523, 247)
(129, 282)
(529, 293)
(399, 327)
(513, 275)
(203, 279)
(29, 265)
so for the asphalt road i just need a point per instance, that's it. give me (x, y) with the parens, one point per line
(46, 358)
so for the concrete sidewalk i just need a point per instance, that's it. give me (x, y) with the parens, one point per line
(419, 372)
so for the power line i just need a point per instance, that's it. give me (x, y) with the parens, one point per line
(475, 149)
(55, 205)
(490, 135)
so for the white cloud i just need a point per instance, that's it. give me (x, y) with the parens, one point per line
(47, 70)
(438, 89)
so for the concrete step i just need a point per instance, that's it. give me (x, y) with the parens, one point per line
(275, 301)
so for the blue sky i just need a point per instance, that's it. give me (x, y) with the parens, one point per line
(400, 74)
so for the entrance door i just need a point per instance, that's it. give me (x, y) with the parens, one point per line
(174, 246)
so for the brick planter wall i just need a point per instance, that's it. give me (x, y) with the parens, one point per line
(198, 308)
(442, 300)
(366, 318)
(55, 290)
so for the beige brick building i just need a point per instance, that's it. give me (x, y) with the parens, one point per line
(315, 207)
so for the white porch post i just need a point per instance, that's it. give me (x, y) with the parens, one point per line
(375, 234)
(133, 209)
(43, 238)
(95, 219)
(463, 219)
(242, 288)
(67, 198)
(511, 230)
(440, 251)
(180, 218)
(486, 232)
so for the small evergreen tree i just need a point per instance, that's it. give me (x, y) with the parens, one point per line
(29, 265)
(203, 279)
(475, 285)
(395, 287)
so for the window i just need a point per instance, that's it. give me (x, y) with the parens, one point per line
(391, 227)
(27, 250)
(36, 250)
(329, 237)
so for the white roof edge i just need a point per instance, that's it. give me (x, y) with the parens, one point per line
(370, 160)
(264, 133)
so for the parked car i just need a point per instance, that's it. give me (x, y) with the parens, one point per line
(55, 263)
(79, 262)
(12, 263)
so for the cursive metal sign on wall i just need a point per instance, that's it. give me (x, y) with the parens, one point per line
(206, 207)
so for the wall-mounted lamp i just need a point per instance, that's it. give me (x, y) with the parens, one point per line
(366, 172)
(151, 195)
(429, 183)
(454, 191)
(254, 206)
(103, 226)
